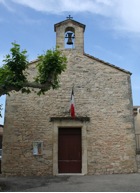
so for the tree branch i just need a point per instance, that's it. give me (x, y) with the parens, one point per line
(37, 85)
(6, 89)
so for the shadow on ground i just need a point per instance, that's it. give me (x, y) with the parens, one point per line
(76, 183)
(16, 184)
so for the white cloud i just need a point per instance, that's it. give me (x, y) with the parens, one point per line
(59, 6)
(128, 15)
(50, 6)
(124, 15)
(6, 4)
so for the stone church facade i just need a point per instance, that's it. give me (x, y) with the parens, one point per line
(40, 137)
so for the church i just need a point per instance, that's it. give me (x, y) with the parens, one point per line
(41, 137)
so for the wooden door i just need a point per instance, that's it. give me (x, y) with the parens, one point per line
(69, 150)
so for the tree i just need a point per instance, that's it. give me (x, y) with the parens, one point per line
(14, 72)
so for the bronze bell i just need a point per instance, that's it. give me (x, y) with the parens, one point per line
(69, 36)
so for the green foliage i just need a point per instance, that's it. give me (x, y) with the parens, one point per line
(12, 73)
(50, 66)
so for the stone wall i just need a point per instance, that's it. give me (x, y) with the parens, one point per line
(138, 162)
(102, 92)
(137, 122)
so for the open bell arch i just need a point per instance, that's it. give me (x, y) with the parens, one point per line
(71, 32)
(69, 37)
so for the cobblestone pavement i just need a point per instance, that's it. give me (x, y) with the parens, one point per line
(95, 183)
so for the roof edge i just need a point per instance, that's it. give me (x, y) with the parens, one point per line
(97, 59)
(80, 24)
(107, 63)
(136, 106)
(33, 61)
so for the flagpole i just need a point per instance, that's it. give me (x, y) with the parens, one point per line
(72, 105)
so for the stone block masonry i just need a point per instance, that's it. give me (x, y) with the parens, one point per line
(102, 93)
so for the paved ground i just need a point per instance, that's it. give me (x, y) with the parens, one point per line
(96, 183)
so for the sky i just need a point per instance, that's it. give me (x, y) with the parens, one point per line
(112, 31)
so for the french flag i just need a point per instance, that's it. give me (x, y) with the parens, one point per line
(72, 106)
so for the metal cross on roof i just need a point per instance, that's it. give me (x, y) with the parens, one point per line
(69, 17)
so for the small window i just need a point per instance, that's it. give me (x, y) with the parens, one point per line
(37, 148)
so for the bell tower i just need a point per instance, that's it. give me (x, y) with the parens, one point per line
(70, 34)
